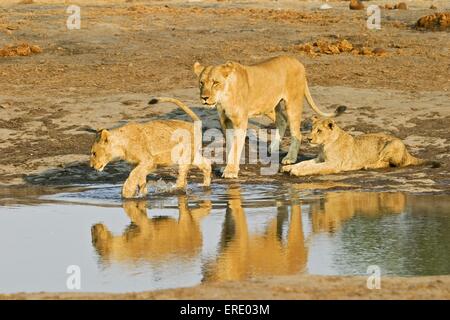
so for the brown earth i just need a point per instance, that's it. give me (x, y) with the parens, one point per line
(125, 52)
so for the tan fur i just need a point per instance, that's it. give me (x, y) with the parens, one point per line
(342, 152)
(241, 92)
(148, 146)
(152, 239)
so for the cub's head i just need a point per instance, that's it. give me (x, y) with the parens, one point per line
(323, 131)
(213, 81)
(102, 150)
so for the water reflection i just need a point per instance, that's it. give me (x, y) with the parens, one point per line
(333, 233)
(331, 211)
(154, 239)
(242, 253)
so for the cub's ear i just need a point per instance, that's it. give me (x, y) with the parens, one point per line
(198, 68)
(306, 125)
(330, 123)
(103, 135)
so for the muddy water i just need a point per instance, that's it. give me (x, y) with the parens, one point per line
(231, 232)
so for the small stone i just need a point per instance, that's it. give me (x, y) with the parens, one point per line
(401, 6)
(356, 5)
(379, 52)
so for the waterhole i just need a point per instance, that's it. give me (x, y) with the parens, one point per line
(230, 232)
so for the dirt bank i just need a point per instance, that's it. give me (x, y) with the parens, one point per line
(292, 287)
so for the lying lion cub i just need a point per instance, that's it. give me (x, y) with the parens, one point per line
(341, 151)
(149, 145)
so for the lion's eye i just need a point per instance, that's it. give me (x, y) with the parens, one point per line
(215, 83)
(319, 131)
(94, 154)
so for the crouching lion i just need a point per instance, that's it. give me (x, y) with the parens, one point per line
(341, 151)
(149, 145)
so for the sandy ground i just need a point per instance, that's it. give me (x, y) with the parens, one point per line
(125, 52)
(289, 287)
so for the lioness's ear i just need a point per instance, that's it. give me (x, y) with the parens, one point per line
(227, 68)
(198, 68)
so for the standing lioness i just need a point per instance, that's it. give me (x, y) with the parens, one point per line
(341, 151)
(241, 92)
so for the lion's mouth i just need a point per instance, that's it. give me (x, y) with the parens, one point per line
(209, 104)
(100, 169)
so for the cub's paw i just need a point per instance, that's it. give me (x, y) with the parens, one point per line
(206, 182)
(297, 171)
(287, 168)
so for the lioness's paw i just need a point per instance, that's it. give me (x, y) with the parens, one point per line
(288, 160)
(230, 173)
(206, 183)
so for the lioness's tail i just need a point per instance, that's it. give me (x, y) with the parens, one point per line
(178, 103)
(339, 110)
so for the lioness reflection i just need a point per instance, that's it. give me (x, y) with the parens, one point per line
(279, 247)
(154, 239)
(243, 254)
(329, 213)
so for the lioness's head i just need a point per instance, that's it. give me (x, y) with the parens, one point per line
(101, 151)
(323, 131)
(212, 81)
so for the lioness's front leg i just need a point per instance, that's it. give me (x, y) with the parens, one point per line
(225, 125)
(234, 155)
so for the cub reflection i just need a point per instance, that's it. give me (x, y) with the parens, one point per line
(243, 254)
(329, 213)
(154, 239)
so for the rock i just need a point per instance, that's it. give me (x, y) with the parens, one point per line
(356, 5)
(366, 51)
(433, 7)
(307, 47)
(401, 6)
(379, 52)
(345, 46)
(325, 7)
(35, 49)
(23, 49)
(435, 21)
(333, 49)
